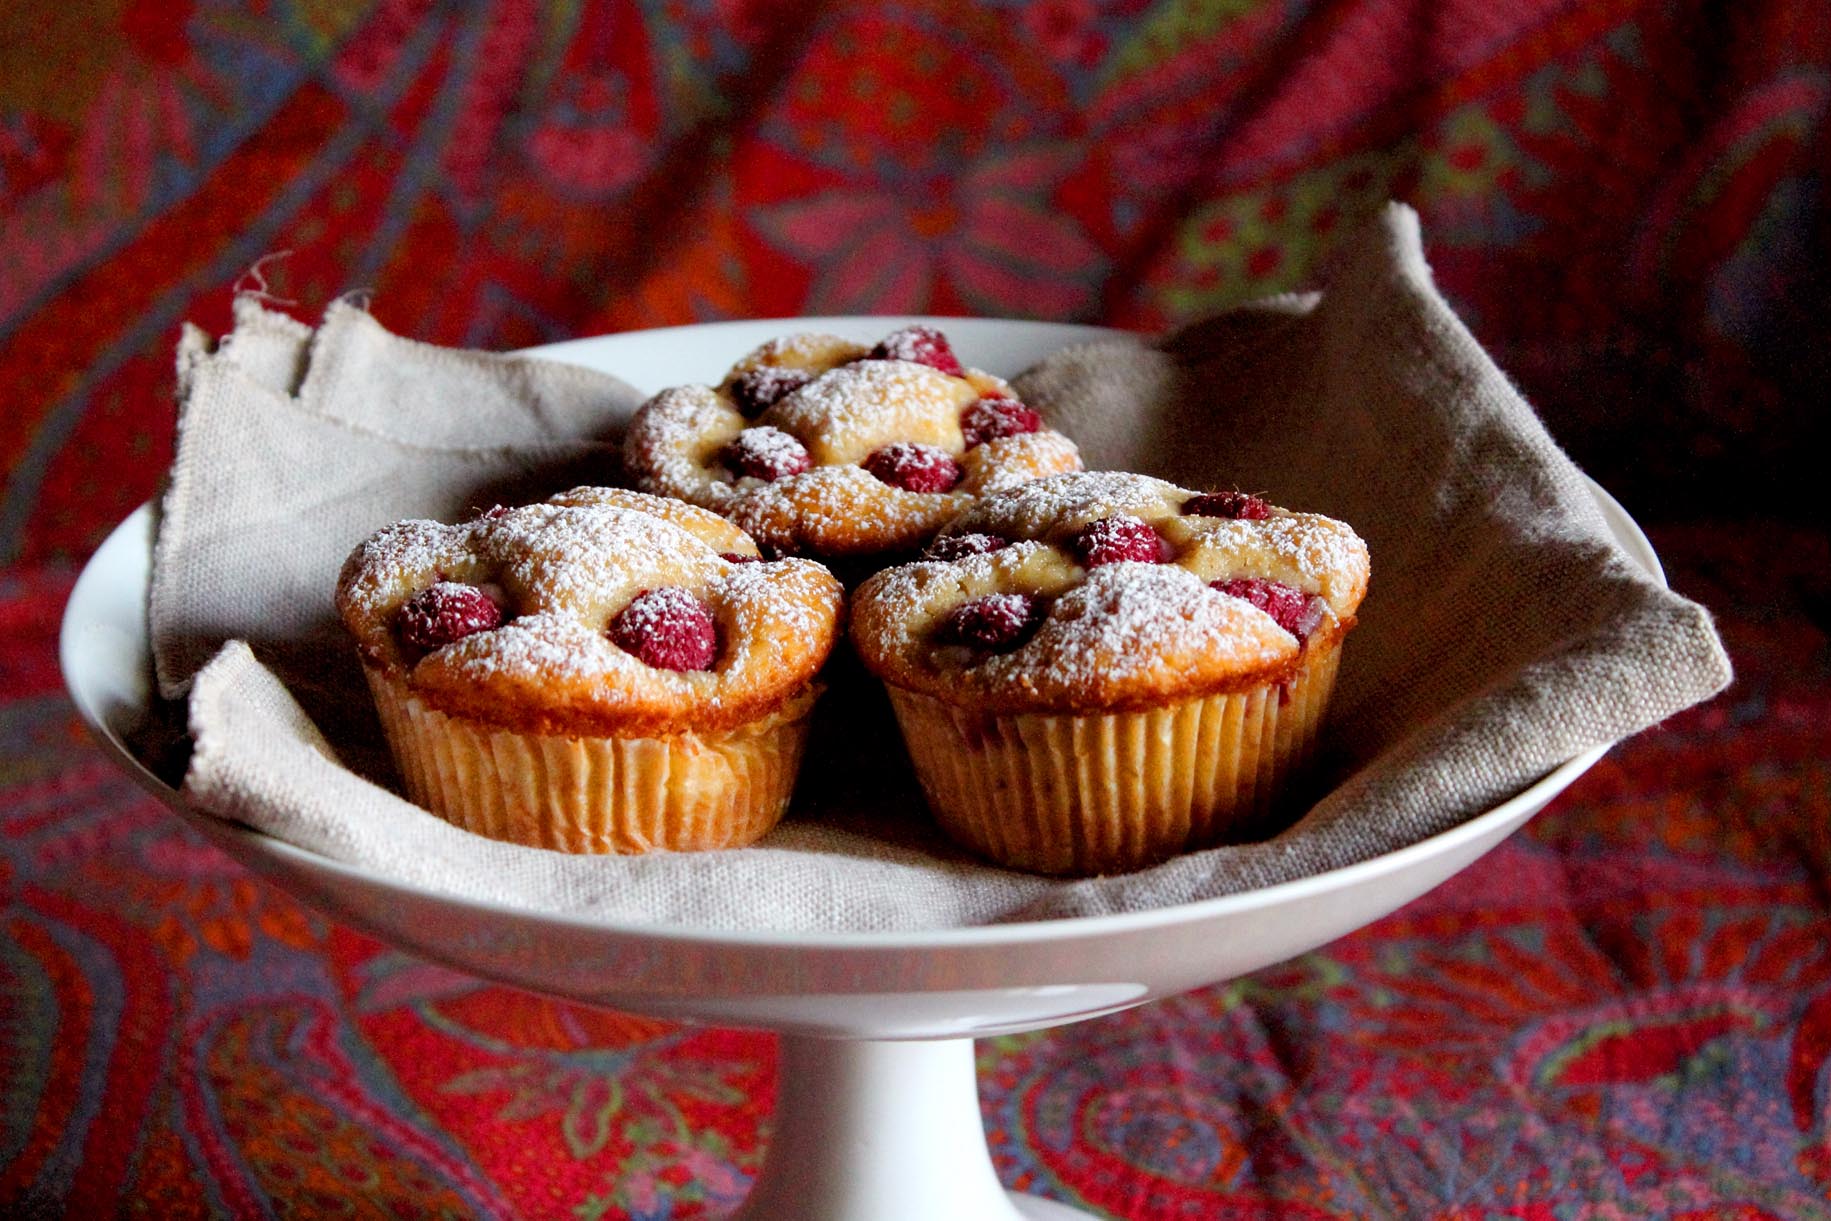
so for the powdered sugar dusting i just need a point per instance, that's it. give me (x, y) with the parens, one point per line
(673, 442)
(667, 628)
(846, 413)
(446, 611)
(702, 523)
(1056, 508)
(552, 648)
(759, 388)
(765, 454)
(913, 467)
(809, 351)
(1307, 551)
(922, 344)
(1118, 631)
(856, 404)
(1010, 462)
(588, 562)
(841, 510)
(789, 604)
(567, 572)
(398, 561)
(1128, 621)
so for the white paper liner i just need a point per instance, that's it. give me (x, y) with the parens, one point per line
(685, 792)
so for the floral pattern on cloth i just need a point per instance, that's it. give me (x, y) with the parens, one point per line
(1625, 1010)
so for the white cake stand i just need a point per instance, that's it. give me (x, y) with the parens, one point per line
(877, 1117)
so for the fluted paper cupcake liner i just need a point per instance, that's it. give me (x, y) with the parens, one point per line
(625, 795)
(1069, 794)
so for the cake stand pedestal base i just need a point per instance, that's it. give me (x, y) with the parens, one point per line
(871, 1130)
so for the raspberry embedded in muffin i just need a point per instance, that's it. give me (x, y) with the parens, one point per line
(997, 416)
(764, 453)
(667, 628)
(921, 344)
(1235, 504)
(446, 612)
(1290, 608)
(760, 389)
(819, 446)
(958, 546)
(996, 622)
(914, 468)
(1119, 539)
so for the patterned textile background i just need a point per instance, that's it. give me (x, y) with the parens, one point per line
(1623, 1012)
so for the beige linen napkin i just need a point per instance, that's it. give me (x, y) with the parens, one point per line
(1504, 633)
(294, 446)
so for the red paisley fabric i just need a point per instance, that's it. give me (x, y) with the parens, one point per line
(1624, 1011)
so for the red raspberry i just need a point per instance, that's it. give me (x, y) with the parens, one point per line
(768, 454)
(988, 419)
(446, 612)
(914, 468)
(667, 628)
(1242, 505)
(1283, 603)
(997, 623)
(760, 388)
(959, 546)
(1112, 539)
(922, 344)
(738, 557)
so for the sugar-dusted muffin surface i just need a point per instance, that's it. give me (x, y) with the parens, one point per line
(599, 612)
(819, 446)
(1102, 591)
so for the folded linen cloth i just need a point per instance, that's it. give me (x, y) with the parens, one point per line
(293, 446)
(1505, 631)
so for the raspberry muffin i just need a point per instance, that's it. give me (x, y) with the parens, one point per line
(822, 447)
(603, 672)
(1096, 671)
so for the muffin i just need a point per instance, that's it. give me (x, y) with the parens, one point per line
(1095, 671)
(603, 672)
(821, 447)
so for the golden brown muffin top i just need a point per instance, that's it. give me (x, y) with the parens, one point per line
(820, 446)
(600, 612)
(1100, 591)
